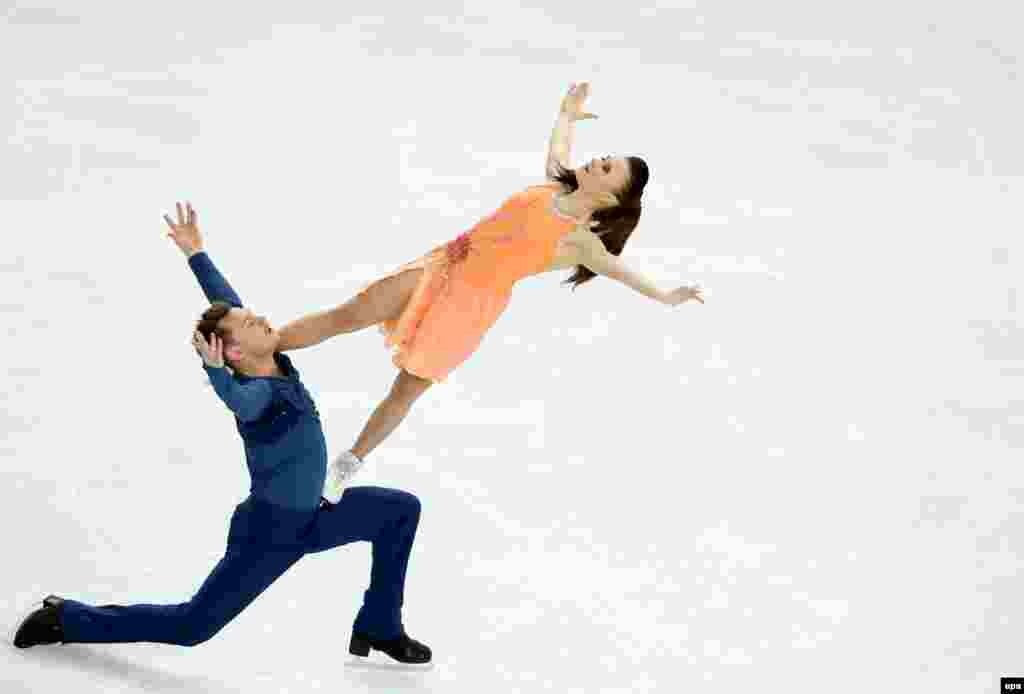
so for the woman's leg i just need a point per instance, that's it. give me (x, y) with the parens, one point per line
(382, 300)
(406, 389)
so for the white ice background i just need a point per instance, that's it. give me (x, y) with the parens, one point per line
(811, 483)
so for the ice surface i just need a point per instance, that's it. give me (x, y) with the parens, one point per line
(812, 479)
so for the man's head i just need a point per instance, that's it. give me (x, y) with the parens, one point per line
(247, 337)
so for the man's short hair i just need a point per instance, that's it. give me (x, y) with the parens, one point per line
(210, 323)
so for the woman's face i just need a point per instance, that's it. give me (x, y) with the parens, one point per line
(606, 175)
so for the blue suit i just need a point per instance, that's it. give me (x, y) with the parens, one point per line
(282, 520)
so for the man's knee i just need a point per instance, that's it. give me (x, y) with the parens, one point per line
(387, 506)
(198, 626)
(408, 504)
(412, 504)
(195, 634)
(194, 639)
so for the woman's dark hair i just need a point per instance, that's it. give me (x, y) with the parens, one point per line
(615, 224)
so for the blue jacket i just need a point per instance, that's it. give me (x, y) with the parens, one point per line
(285, 448)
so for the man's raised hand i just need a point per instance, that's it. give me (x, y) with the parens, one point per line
(212, 352)
(185, 233)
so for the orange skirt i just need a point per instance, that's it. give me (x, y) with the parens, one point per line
(446, 317)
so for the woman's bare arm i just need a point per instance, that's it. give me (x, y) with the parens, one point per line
(596, 258)
(560, 144)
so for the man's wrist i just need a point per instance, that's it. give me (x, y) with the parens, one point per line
(194, 251)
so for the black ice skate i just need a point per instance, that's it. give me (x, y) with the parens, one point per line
(42, 626)
(403, 649)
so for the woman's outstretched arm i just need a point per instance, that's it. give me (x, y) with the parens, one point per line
(613, 267)
(596, 258)
(560, 144)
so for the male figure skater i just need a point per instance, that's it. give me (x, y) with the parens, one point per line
(284, 516)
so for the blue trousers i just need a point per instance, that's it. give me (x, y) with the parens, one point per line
(263, 542)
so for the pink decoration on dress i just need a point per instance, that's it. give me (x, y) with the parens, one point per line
(458, 249)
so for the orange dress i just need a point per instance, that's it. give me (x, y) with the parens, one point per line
(467, 283)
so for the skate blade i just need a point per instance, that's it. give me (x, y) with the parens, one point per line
(357, 663)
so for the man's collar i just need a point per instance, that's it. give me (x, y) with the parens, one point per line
(283, 362)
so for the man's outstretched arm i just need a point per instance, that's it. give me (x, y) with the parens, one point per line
(213, 283)
(187, 237)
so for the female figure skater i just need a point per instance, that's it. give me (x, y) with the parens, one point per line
(435, 310)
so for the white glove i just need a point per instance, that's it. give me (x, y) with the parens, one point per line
(339, 472)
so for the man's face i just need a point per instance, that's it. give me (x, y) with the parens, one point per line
(250, 334)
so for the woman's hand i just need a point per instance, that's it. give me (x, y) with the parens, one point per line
(572, 104)
(684, 294)
(212, 352)
(186, 232)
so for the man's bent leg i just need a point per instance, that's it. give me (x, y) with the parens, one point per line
(387, 518)
(242, 574)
